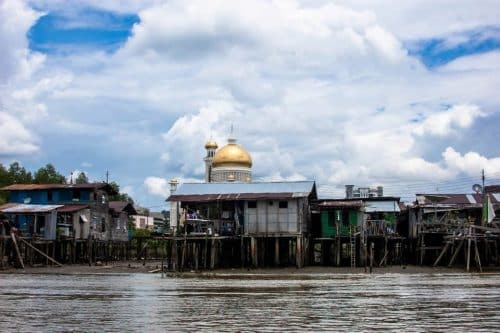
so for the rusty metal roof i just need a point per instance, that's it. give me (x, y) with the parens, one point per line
(31, 187)
(24, 208)
(71, 208)
(454, 199)
(198, 192)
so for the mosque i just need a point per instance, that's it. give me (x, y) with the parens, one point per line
(230, 163)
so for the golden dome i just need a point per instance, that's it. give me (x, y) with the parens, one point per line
(232, 155)
(211, 145)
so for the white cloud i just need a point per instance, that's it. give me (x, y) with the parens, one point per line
(442, 123)
(15, 139)
(471, 163)
(314, 90)
(157, 186)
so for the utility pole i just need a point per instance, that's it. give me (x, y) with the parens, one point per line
(107, 177)
(482, 177)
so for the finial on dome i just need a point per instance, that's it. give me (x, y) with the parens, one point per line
(231, 139)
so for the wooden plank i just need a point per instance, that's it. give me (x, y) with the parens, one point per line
(18, 253)
(457, 250)
(478, 259)
(445, 248)
(42, 253)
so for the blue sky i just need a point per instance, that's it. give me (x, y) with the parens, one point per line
(349, 93)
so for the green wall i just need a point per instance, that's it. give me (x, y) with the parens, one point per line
(344, 218)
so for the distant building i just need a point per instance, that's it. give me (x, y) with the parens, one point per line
(352, 192)
(143, 219)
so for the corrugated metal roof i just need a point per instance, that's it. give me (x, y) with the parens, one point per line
(24, 208)
(71, 208)
(340, 204)
(381, 206)
(240, 191)
(26, 187)
(455, 199)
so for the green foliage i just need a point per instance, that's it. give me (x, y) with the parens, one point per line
(17, 174)
(119, 196)
(142, 233)
(48, 175)
(82, 178)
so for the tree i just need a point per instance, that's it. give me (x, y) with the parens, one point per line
(119, 196)
(48, 175)
(82, 178)
(18, 175)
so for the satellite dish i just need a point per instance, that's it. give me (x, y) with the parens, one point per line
(27, 200)
(477, 188)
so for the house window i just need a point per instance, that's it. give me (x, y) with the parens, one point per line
(142, 222)
(283, 204)
(252, 204)
(76, 195)
(49, 195)
(103, 225)
(270, 203)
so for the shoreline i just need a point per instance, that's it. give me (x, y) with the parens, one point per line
(153, 267)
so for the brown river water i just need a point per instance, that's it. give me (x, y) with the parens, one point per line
(323, 302)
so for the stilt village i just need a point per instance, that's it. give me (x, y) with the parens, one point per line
(230, 221)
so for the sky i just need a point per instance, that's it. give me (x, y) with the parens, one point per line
(402, 94)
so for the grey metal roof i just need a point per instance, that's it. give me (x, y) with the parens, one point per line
(234, 191)
(25, 208)
(381, 206)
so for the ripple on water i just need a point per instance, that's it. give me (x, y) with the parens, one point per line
(419, 302)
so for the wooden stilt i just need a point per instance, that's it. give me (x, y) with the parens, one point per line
(372, 247)
(242, 251)
(468, 248)
(477, 257)
(16, 248)
(276, 251)
(254, 252)
(41, 253)
(299, 254)
(212, 254)
(445, 248)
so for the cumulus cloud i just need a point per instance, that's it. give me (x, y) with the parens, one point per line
(442, 123)
(15, 139)
(471, 163)
(314, 90)
(157, 186)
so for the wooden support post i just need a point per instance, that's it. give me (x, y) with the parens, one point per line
(205, 252)
(457, 250)
(242, 251)
(299, 252)
(372, 248)
(422, 249)
(445, 248)
(469, 236)
(254, 252)
(16, 248)
(174, 254)
(277, 251)
(40, 252)
(195, 253)
(338, 245)
(212, 253)
(477, 257)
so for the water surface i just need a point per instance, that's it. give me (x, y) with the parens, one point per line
(146, 302)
